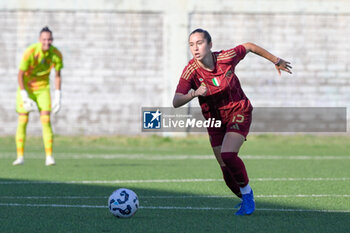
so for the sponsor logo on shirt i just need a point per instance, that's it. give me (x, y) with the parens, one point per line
(228, 74)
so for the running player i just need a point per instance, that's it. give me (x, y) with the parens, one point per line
(212, 78)
(34, 91)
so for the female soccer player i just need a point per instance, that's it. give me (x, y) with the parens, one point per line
(34, 91)
(212, 78)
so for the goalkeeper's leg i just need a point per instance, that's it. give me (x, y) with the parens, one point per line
(44, 105)
(47, 137)
(21, 137)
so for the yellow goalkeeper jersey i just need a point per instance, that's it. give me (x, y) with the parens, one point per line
(37, 66)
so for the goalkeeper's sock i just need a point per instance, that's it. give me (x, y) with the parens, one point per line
(230, 181)
(21, 134)
(236, 166)
(47, 134)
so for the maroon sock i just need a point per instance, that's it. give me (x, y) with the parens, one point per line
(236, 166)
(230, 181)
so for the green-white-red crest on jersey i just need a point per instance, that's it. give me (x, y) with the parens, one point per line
(215, 82)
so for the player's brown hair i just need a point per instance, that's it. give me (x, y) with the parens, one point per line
(205, 33)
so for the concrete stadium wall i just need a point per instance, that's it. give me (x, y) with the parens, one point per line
(122, 55)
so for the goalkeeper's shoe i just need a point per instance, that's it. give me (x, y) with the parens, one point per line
(248, 204)
(18, 161)
(49, 161)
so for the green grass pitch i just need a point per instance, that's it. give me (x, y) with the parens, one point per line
(301, 184)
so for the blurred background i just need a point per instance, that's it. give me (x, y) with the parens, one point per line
(122, 55)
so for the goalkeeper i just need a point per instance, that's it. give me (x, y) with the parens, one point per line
(34, 91)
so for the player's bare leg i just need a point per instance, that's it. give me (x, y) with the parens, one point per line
(229, 153)
(47, 137)
(232, 142)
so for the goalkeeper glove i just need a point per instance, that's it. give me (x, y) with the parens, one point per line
(28, 104)
(57, 102)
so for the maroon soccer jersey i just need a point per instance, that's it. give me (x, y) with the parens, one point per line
(225, 96)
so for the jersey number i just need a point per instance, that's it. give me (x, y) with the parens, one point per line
(238, 118)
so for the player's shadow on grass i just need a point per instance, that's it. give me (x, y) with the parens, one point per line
(29, 206)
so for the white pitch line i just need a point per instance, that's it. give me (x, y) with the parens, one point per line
(302, 179)
(170, 181)
(255, 196)
(52, 205)
(178, 157)
(257, 209)
(304, 210)
(170, 208)
(53, 197)
(293, 157)
(111, 181)
(183, 197)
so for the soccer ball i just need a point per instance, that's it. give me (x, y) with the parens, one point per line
(123, 203)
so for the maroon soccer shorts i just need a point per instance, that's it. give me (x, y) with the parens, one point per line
(238, 122)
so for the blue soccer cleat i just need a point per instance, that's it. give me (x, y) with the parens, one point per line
(238, 205)
(248, 204)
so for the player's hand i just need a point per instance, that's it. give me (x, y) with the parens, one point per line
(201, 91)
(56, 106)
(28, 104)
(283, 65)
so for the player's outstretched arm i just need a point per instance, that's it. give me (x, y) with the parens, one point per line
(280, 64)
(181, 99)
